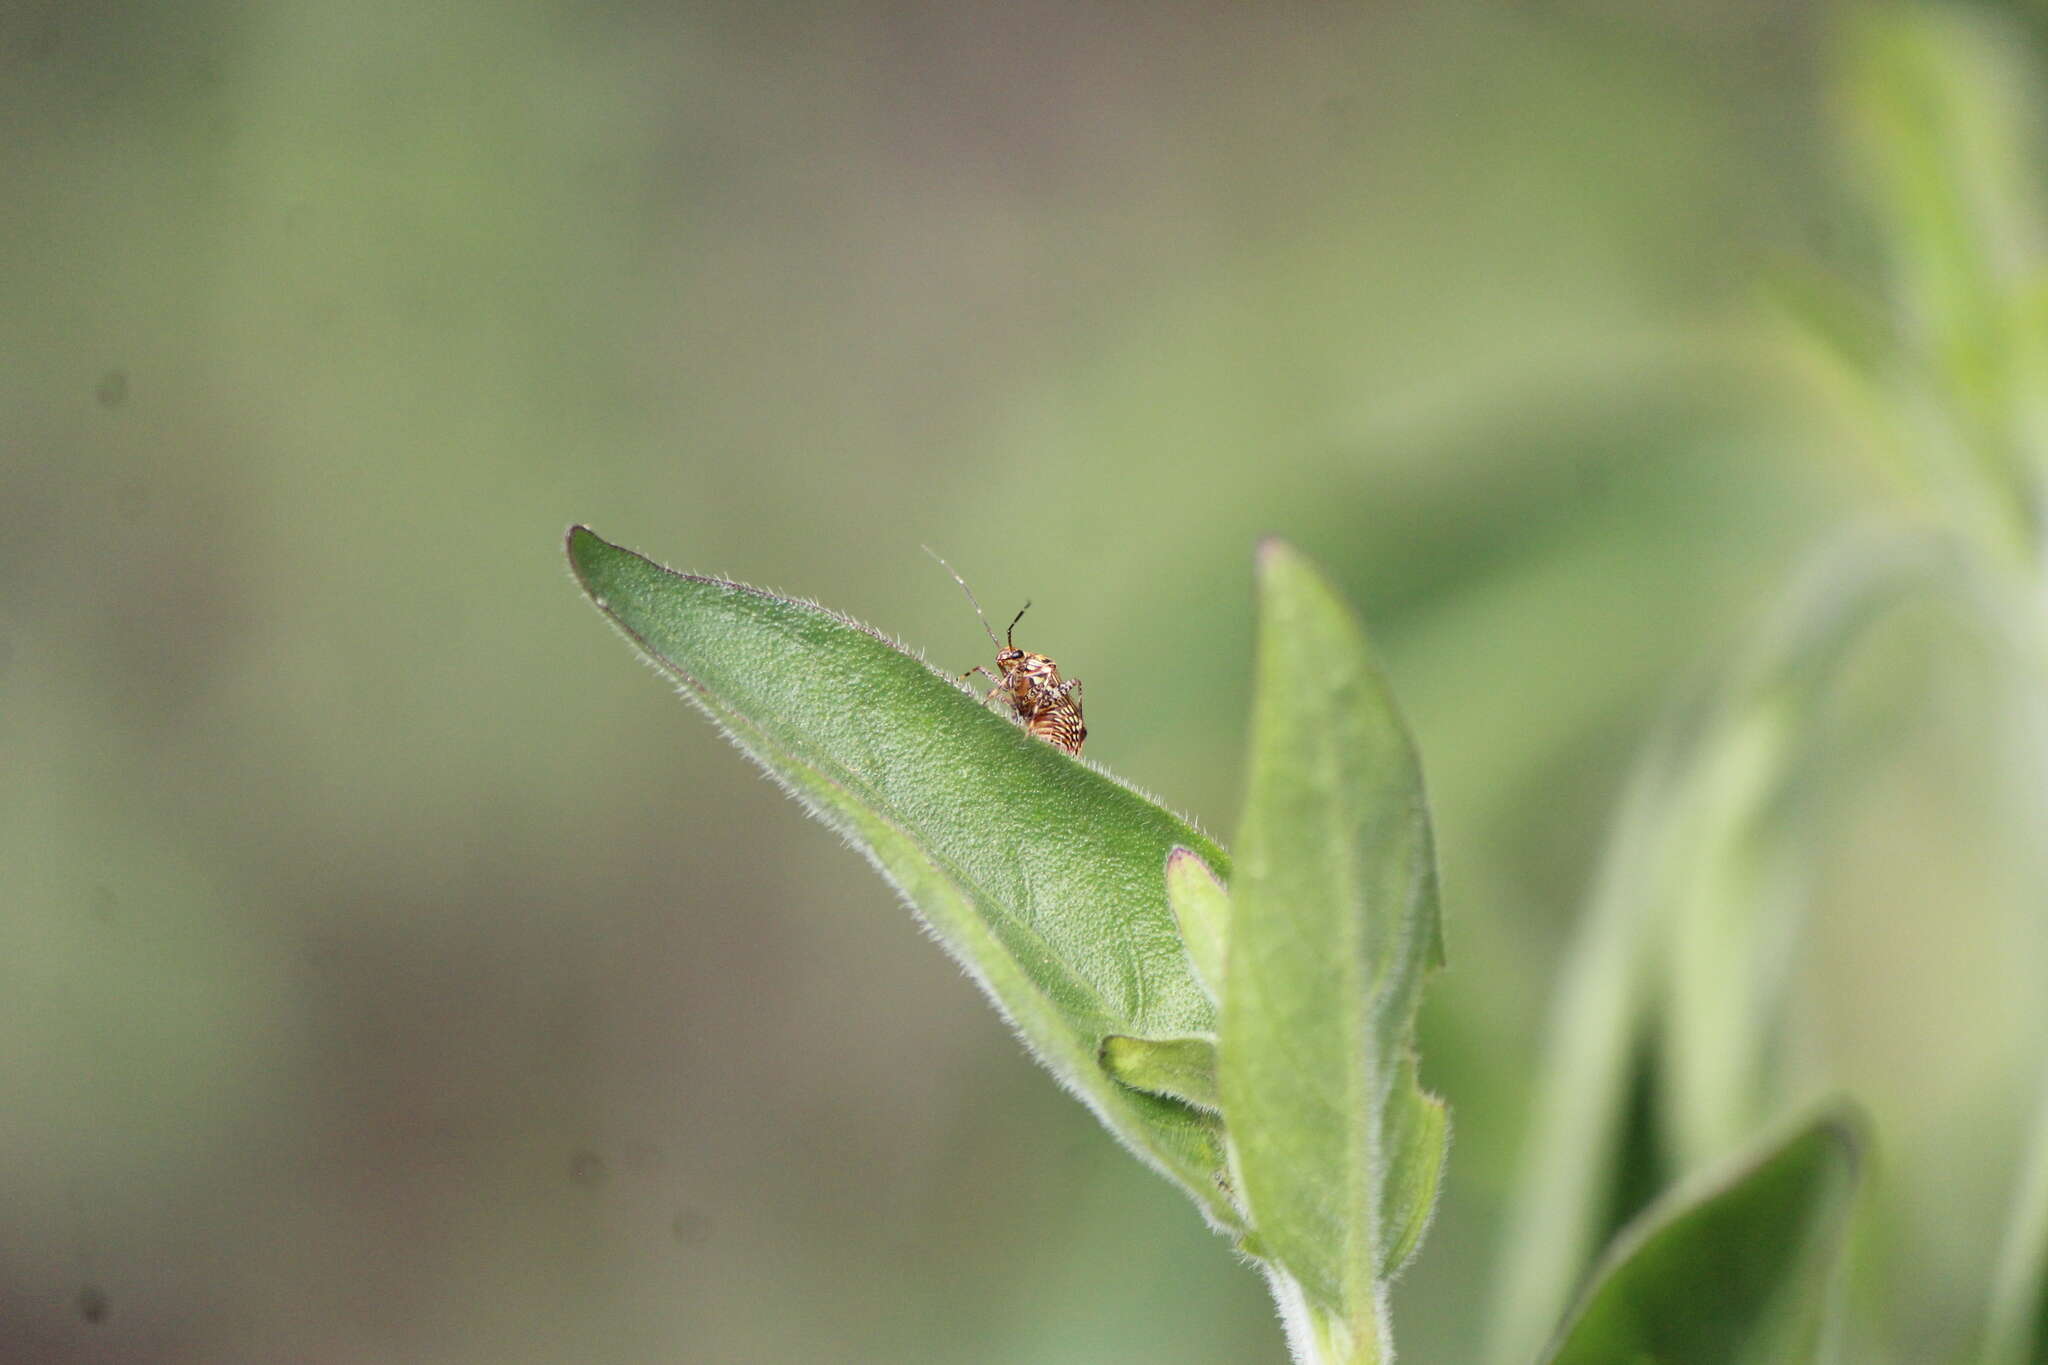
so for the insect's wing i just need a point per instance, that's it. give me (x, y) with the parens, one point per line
(1060, 725)
(1062, 721)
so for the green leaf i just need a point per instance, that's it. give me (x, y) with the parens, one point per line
(1181, 1069)
(1039, 872)
(1731, 1272)
(1201, 906)
(1333, 922)
(1416, 1141)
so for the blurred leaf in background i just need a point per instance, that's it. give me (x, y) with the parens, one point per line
(1732, 1272)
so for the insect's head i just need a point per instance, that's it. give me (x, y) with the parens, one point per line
(1011, 658)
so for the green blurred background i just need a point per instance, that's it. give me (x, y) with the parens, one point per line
(391, 970)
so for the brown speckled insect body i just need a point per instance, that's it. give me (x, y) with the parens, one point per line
(1030, 684)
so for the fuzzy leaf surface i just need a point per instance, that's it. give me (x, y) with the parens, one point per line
(1182, 1069)
(1201, 906)
(1038, 872)
(1333, 924)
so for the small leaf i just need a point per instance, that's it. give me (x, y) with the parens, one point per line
(1181, 1069)
(1414, 1144)
(1038, 872)
(1333, 923)
(1201, 907)
(1731, 1272)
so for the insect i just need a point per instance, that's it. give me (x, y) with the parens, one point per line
(1049, 706)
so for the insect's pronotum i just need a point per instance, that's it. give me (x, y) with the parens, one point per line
(1030, 684)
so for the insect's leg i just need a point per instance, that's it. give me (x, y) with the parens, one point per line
(1002, 683)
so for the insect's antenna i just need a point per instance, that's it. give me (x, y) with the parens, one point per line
(1011, 633)
(970, 594)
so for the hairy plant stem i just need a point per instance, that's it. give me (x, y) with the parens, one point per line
(1318, 1337)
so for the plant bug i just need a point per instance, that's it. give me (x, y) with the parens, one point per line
(1048, 705)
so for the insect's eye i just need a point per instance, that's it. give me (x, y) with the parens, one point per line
(1008, 655)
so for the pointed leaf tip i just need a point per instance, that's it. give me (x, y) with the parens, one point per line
(1201, 907)
(1182, 1069)
(1332, 925)
(1051, 895)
